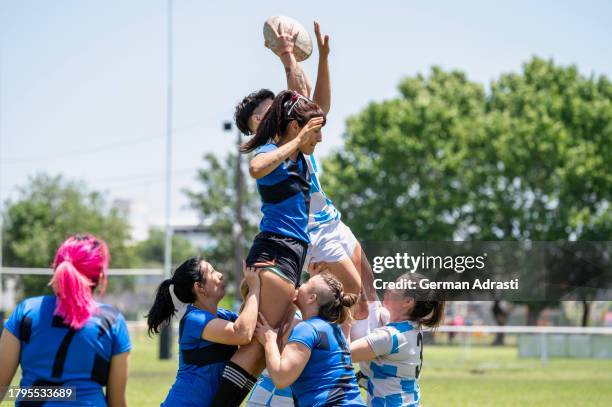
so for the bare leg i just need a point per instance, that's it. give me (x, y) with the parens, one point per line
(275, 299)
(348, 275)
(365, 271)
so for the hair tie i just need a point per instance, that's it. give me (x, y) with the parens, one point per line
(295, 98)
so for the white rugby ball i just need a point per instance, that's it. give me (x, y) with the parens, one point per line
(303, 43)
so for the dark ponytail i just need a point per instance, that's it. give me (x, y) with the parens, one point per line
(286, 107)
(427, 311)
(184, 277)
(162, 309)
(335, 304)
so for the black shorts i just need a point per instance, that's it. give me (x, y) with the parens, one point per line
(281, 254)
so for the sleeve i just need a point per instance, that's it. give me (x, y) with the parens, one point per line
(227, 315)
(195, 322)
(305, 334)
(13, 323)
(265, 148)
(121, 336)
(381, 341)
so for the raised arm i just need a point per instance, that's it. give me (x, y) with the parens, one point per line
(297, 79)
(322, 92)
(241, 331)
(264, 163)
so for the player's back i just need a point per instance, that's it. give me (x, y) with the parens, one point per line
(53, 354)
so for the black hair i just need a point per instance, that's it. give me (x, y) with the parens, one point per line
(428, 310)
(286, 107)
(247, 106)
(184, 277)
(335, 306)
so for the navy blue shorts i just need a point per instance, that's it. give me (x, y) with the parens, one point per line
(282, 254)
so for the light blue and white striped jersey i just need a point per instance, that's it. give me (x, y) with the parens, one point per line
(322, 209)
(392, 378)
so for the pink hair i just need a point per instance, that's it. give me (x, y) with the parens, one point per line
(80, 264)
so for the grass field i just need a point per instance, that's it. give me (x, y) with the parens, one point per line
(452, 376)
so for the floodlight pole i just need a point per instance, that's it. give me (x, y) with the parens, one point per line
(165, 339)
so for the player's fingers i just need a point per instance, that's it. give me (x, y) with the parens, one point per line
(318, 34)
(316, 121)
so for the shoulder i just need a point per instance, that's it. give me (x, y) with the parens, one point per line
(34, 305)
(194, 314)
(227, 314)
(109, 316)
(402, 326)
(108, 311)
(305, 325)
(25, 314)
(304, 332)
(35, 302)
(266, 148)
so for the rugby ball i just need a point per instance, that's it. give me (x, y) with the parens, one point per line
(303, 43)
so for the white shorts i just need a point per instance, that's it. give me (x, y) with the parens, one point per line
(330, 242)
(265, 394)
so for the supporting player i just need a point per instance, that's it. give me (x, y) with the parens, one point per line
(68, 339)
(208, 336)
(395, 351)
(315, 362)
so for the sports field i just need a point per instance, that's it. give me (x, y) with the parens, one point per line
(452, 376)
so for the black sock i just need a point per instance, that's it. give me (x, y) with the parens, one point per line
(236, 383)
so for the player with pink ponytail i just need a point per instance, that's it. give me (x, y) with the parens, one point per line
(80, 265)
(69, 339)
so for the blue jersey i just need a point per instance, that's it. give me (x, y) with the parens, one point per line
(285, 196)
(53, 354)
(328, 379)
(201, 362)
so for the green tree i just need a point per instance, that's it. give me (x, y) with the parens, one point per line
(150, 252)
(400, 174)
(215, 201)
(527, 159)
(48, 210)
(549, 174)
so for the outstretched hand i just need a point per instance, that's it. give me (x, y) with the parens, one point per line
(322, 41)
(251, 275)
(285, 40)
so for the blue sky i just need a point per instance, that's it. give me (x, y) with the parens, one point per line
(82, 83)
